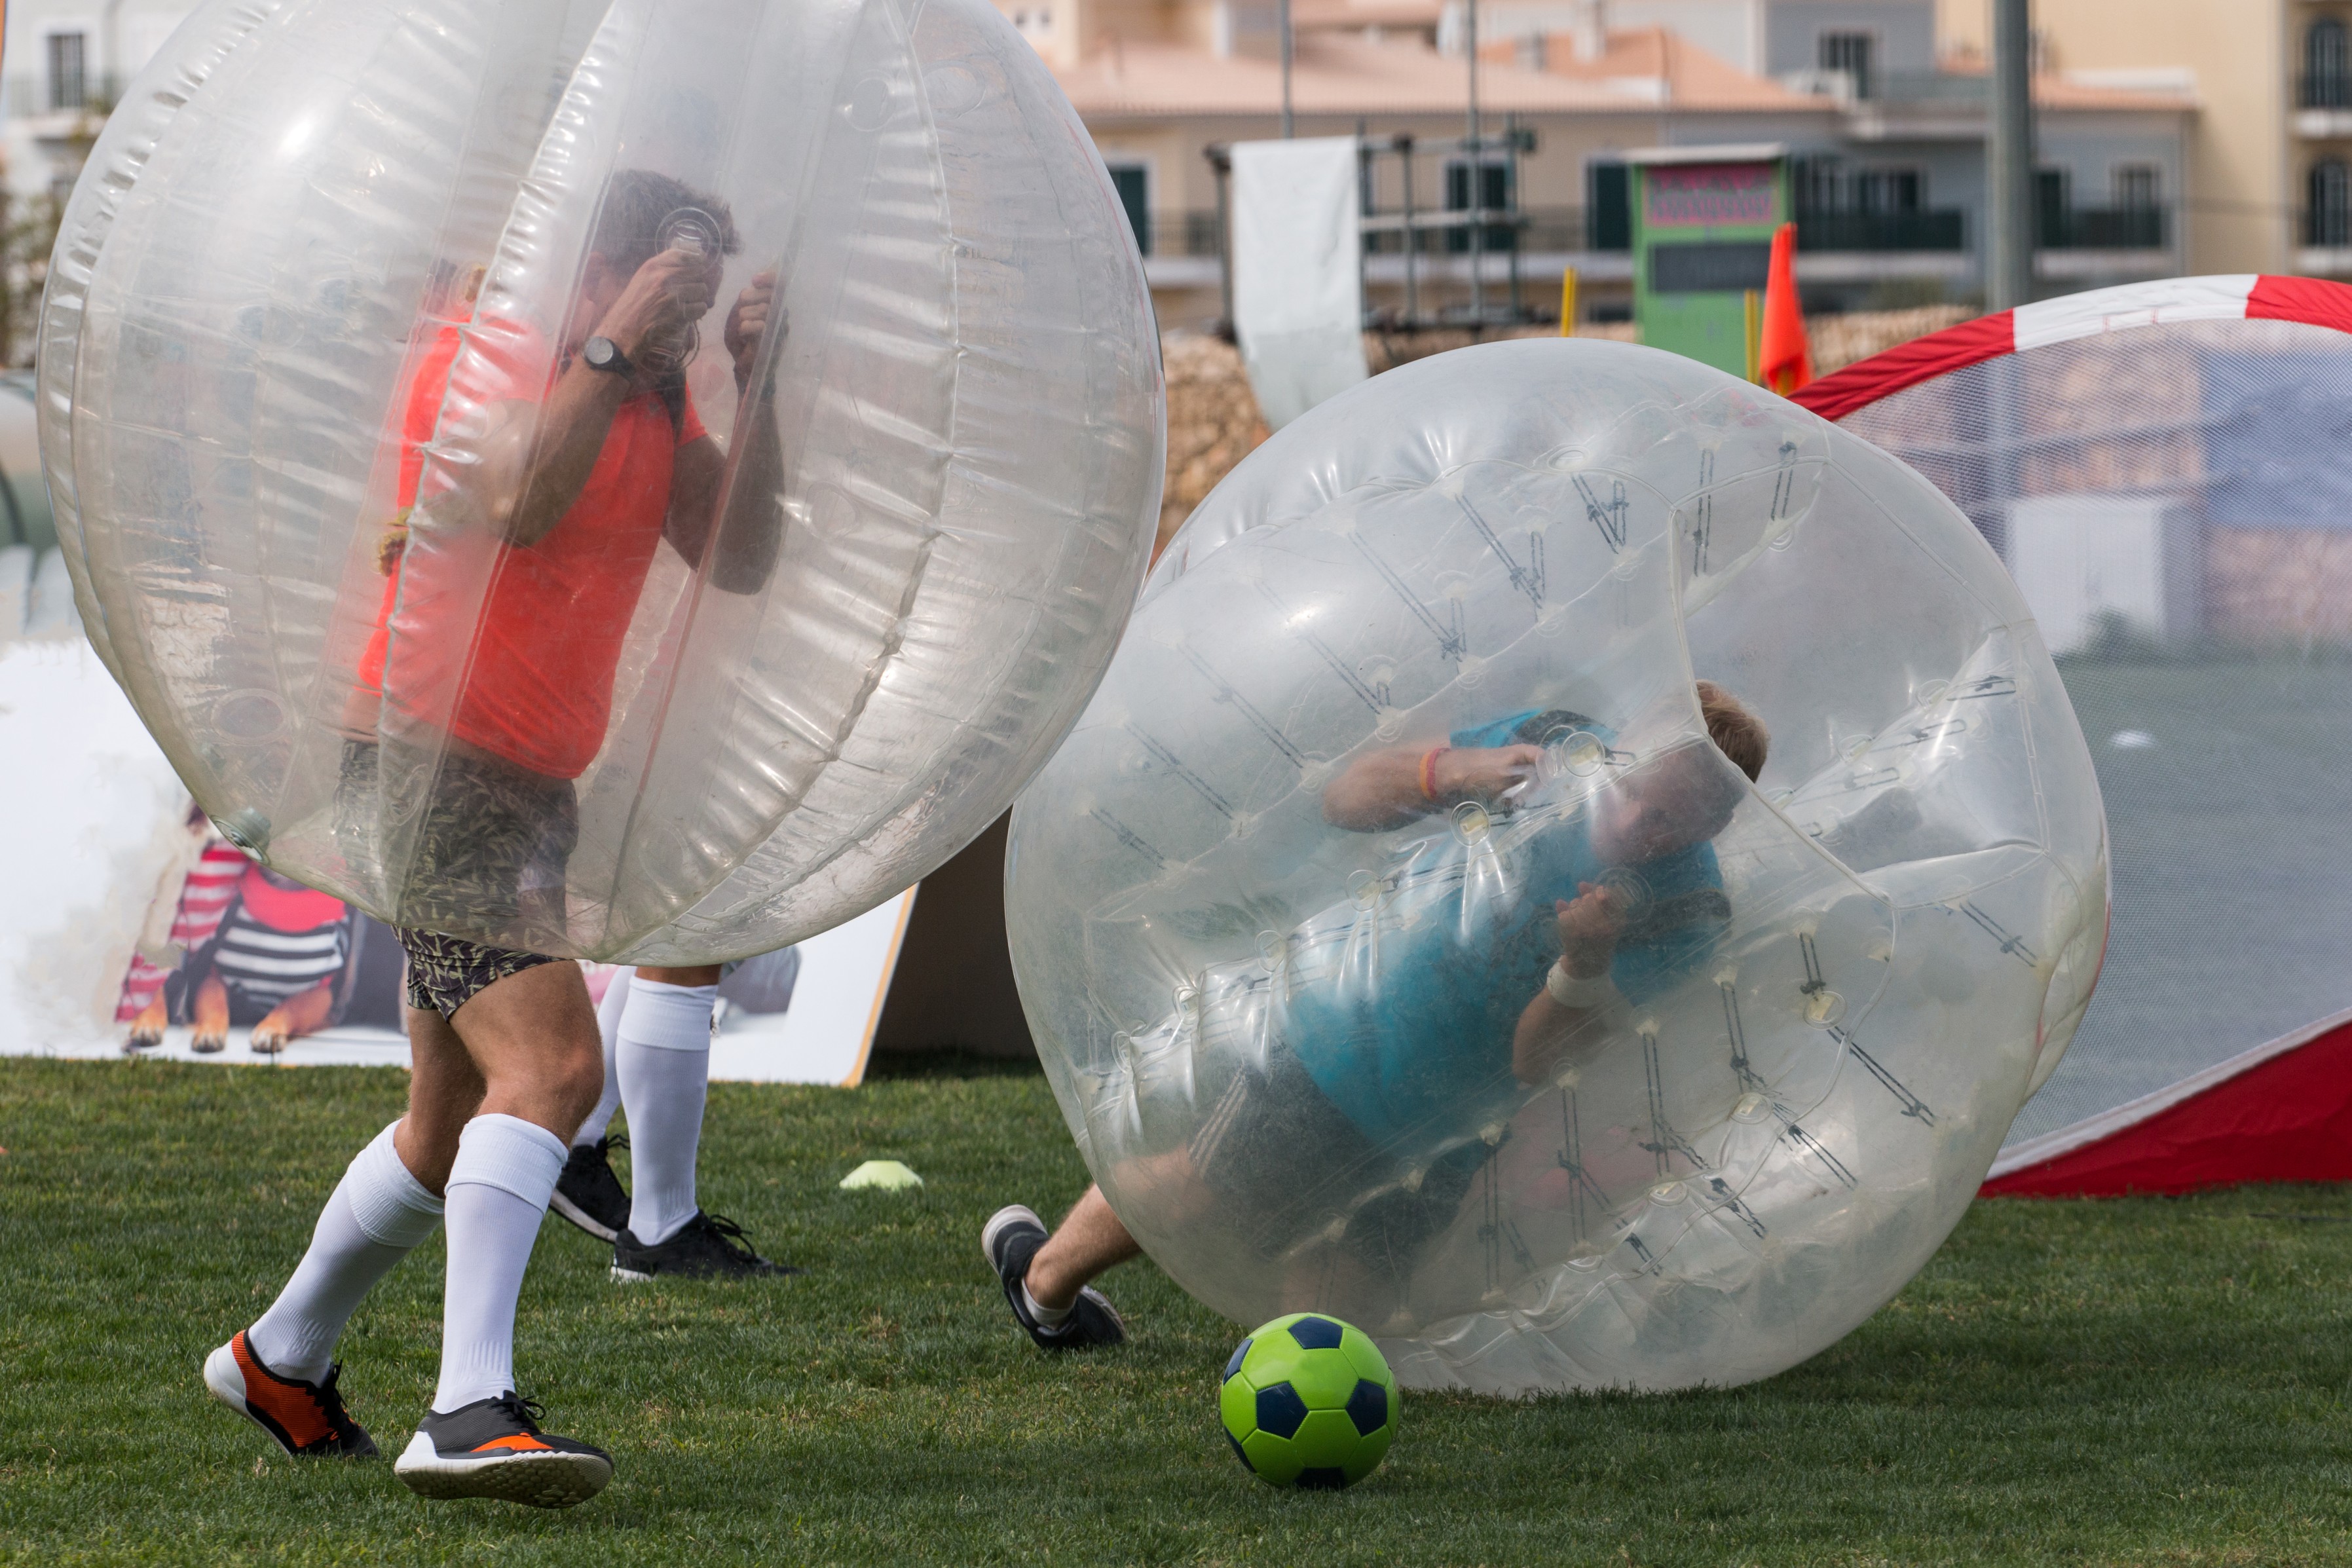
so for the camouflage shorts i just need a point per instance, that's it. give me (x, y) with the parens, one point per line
(444, 972)
(471, 845)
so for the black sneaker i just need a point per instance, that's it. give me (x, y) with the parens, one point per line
(493, 1448)
(588, 1194)
(307, 1419)
(1011, 1238)
(707, 1246)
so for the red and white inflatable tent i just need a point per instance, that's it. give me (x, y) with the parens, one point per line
(2166, 469)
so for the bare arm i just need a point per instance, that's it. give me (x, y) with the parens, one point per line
(1383, 789)
(536, 461)
(751, 533)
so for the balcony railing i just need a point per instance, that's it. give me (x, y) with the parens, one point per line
(2102, 228)
(1435, 232)
(2329, 228)
(1180, 234)
(24, 97)
(2327, 90)
(1442, 231)
(1932, 230)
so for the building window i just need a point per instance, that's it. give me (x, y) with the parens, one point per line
(1850, 53)
(2327, 220)
(1494, 193)
(1840, 208)
(1133, 184)
(2139, 188)
(2053, 208)
(69, 87)
(1824, 184)
(1607, 206)
(2327, 65)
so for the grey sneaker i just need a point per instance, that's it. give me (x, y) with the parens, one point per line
(496, 1448)
(1011, 1238)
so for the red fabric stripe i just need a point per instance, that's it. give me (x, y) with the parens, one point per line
(287, 908)
(1906, 364)
(2288, 1119)
(2312, 300)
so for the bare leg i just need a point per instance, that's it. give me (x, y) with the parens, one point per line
(526, 1047)
(1089, 1240)
(533, 1038)
(444, 1093)
(696, 974)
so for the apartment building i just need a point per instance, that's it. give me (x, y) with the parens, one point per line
(62, 65)
(2271, 154)
(1885, 136)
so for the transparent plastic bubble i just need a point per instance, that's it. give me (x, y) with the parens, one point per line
(615, 479)
(1780, 1061)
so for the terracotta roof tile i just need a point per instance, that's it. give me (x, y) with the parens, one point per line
(1680, 73)
(1331, 74)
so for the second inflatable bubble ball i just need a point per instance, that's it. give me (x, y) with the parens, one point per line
(1308, 1401)
(614, 479)
(1574, 867)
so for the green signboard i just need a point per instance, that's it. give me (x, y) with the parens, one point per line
(1702, 224)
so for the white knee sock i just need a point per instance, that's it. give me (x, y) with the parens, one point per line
(499, 1187)
(376, 1216)
(608, 1025)
(665, 1061)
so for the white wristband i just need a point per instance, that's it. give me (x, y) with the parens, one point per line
(1569, 991)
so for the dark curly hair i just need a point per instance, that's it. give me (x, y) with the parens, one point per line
(636, 204)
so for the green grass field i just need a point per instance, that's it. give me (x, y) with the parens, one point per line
(2140, 1382)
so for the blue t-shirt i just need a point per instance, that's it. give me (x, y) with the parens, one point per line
(1404, 1017)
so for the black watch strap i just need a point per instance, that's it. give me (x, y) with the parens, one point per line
(603, 354)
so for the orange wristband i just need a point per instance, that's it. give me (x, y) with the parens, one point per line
(1429, 771)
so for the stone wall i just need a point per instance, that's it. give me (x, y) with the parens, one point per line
(1214, 424)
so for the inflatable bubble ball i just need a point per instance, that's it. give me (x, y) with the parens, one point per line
(1573, 867)
(615, 479)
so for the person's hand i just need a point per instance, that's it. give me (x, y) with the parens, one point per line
(1588, 928)
(747, 324)
(667, 295)
(1483, 773)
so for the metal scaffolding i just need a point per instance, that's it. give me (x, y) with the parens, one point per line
(1397, 218)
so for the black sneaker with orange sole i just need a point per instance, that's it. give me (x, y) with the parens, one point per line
(494, 1449)
(307, 1419)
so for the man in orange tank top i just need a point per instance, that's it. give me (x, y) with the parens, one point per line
(533, 509)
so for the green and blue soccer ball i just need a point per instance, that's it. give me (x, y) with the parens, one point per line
(1309, 1401)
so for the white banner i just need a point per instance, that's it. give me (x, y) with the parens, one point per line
(1298, 292)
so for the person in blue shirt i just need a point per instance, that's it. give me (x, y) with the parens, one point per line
(1407, 1022)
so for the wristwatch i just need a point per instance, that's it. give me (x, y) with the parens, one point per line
(603, 354)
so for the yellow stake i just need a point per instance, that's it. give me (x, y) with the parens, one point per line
(1755, 345)
(1568, 302)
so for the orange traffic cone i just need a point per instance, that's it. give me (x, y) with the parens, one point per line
(1784, 360)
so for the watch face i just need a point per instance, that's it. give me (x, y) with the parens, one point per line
(600, 353)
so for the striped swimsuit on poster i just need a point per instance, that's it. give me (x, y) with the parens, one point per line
(279, 941)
